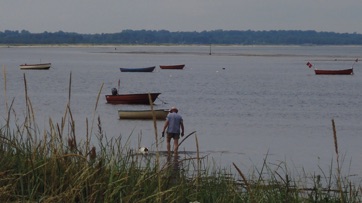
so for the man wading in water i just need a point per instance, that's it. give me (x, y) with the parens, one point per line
(173, 124)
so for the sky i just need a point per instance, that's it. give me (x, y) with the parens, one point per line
(112, 16)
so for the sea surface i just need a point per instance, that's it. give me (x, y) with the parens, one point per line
(247, 104)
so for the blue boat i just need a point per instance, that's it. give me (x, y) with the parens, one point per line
(146, 69)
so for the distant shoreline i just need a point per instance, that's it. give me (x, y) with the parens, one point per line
(118, 49)
(168, 45)
(159, 37)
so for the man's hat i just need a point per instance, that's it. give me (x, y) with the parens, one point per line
(174, 109)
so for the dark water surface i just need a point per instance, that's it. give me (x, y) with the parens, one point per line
(245, 103)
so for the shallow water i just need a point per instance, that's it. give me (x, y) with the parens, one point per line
(246, 103)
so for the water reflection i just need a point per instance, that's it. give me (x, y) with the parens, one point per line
(173, 166)
(175, 162)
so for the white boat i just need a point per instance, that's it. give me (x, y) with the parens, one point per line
(143, 114)
(37, 66)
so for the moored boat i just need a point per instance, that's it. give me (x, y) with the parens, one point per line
(334, 72)
(160, 114)
(348, 71)
(36, 66)
(140, 98)
(145, 69)
(173, 67)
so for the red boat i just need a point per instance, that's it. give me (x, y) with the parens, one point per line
(348, 71)
(334, 72)
(141, 98)
(173, 67)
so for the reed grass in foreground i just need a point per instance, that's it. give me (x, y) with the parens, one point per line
(53, 166)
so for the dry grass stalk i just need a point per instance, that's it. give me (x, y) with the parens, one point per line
(338, 165)
(93, 154)
(6, 101)
(72, 144)
(246, 183)
(198, 160)
(159, 197)
(29, 123)
(93, 118)
(7, 108)
(335, 138)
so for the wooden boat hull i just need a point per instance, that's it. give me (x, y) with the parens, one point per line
(39, 66)
(160, 114)
(334, 72)
(173, 67)
(131, 98)
(147, 69)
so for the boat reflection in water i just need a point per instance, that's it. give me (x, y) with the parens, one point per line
(143, 114)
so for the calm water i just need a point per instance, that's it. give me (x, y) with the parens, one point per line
(245, 102)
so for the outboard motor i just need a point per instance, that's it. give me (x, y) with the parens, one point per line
(114, 91)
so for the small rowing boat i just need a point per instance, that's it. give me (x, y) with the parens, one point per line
(160, 114)
(36, 66)
(140, 98)
(348, 71)
(146, 69)
(334, 72)
(173, 67)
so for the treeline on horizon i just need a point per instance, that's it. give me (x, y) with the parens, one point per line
(153, 37)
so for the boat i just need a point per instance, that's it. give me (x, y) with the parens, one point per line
(159, 114)
(140, 98)
(35, 66)
(146, 69)
(173, 67)
(348, 71)
(334, 72)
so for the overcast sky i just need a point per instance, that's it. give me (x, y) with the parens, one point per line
(111, 16)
